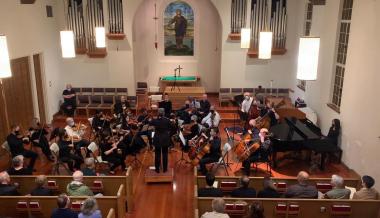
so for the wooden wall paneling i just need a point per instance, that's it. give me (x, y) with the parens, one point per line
(39, 87)
(3, 122)
(18, 93)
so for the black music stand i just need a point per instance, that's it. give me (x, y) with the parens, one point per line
(175, 85)
(182, 159)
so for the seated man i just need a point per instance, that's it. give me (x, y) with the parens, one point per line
(269, 191)
(121, 106)
(40, 189)
(18, 167)
(76, 187)
(16, 145)
(6, 189)
(89, 170)
(367, 192)
(205, 105)
(69, 101)
(338, 191)
(215, 152)
(217, 209)
(63, 210)
(244, 191)
(75, 134)
(209, 190)
(212, 118)
(302, 189)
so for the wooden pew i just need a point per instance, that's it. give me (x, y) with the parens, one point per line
(43, 206)
(110, 184)
(302, 208)
(111, 213)
(257, 182)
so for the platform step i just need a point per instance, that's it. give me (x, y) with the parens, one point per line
(152, 177)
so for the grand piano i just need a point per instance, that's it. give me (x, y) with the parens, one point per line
(294, 134)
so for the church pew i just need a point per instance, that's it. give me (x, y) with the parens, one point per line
(257, 182)
(111, 213)
(110, 184)
(10, 206)
(304, 208)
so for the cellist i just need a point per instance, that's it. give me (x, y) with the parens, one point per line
(215, 151)
(262, 152)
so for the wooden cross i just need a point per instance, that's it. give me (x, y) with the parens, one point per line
(179, 68)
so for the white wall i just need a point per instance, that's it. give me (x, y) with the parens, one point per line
(150, 63)
(238, 70)
(359, 109)
(29, 32)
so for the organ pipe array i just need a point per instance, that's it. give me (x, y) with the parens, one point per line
(75, 23)
(115, 19)
(238, 16)
(95, 18)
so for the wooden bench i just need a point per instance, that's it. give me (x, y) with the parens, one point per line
(107, 185)
(42, 206)
(301, 208)
(228, 183)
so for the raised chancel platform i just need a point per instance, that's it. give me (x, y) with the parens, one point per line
(152, 177)
(180, 94)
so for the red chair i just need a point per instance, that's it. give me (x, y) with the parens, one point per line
(236, 209)
(97, 186)
(22, 208)
(35, 208)
(293, 209)
(281, 187)
(281, 209)
(75, 206)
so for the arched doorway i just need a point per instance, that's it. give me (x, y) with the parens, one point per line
(151, 63)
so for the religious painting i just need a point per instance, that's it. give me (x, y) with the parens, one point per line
(179, 29)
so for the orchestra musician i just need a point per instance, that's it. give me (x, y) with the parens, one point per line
(161, 139)
(204, 105)
(38, 137)
(142, 120)
(248, 103)
(75, 134)
(69, 101)
(66, 150)
(212, 119)
(272, 114)
(191, 130)
(121, 106)
(109, 148)
(215, 152)
(261, 153)
(167, 105)
(100, 122)
(16, 145)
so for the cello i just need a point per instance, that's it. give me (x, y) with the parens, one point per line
(198, 149)
(244, 148)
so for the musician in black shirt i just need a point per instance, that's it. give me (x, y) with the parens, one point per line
(109, 152)
(262, 153)
(38, 137)
(270, 112)
(167, 105)
(66, 151)
(69, 101)
(334, 132)
(16, 145)
(121, 106)
(215, 151)
(205, 106)
(161, 139)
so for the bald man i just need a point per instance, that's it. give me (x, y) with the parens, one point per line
(77, 187)
(302, 189)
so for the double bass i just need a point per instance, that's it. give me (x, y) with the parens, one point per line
(264, 121)
(200, 148)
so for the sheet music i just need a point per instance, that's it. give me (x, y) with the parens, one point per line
(183, 140)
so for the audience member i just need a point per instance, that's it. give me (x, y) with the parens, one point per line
(40, 189)
(244, 191)
(217, 209)
(18, 167)
(269, 191)
(367, 192)
(256, 210)
(6, 189)
(302, 189)
(89, 209)
(89, 170)
(76, 187)
(209, 190)
(338, 191)
(63, 210)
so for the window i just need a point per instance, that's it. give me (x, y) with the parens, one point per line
(307, 29)
(341, 56)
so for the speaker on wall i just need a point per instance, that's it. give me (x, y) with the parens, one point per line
(49, 11)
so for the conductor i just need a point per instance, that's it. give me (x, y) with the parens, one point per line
(161, 139)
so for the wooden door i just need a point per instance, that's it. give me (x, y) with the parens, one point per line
(18, 93)
(39, 87)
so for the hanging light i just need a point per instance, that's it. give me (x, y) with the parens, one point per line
(308, 55)
(100, 34)
(67, 44)
(265, 45)
(245, 37)
(5, 66)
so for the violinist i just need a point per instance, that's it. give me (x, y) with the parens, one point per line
(16, 144)
(212, 119)
(66, 149)
(204, 106)
(132, 141)
(109, 148)
(100, 122)
(191, 130)
(215, 152)
(261, 153)
(38, 137)
(75, 134)
(121, 106)
(142, 120)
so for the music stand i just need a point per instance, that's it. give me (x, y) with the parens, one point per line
(182, 159)
(175, 78)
